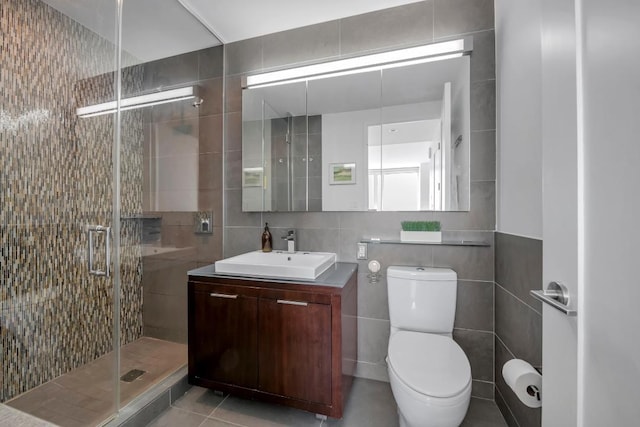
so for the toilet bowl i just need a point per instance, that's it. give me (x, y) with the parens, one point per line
(430, 379)
(429, 373)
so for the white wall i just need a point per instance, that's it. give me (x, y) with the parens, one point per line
(519, 122)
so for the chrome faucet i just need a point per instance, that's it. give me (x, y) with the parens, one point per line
(290, 237)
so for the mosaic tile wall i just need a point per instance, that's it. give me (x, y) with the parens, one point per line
(55, 178)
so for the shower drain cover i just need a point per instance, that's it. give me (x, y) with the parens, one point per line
(132, 375)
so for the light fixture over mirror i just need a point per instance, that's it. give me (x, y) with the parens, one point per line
(389, 136)
(361, 64)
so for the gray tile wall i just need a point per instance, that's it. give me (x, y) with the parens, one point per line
(416, 23)
(518, 319)
(164, 275)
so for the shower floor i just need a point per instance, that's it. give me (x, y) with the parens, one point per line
(84, 396)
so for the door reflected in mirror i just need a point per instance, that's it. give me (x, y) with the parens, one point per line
(395, 139)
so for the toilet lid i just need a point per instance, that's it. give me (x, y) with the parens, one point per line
(430, 364)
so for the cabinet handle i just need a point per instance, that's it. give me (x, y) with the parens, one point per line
(284, 301)
(213, 294)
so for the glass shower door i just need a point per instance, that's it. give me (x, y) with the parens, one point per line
(57, 327)
(169, 178)
(73, 197)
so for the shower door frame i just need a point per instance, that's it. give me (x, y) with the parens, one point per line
(116, 209)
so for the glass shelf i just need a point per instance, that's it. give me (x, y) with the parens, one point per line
(443, 243)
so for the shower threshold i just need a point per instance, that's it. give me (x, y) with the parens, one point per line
(84, 396)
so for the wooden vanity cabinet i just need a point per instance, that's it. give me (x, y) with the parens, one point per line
(295, 349)
(224, 354)
(293, 344)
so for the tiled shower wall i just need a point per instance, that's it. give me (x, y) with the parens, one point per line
(55, 178)
(416, 23)
(518, 319)
(291, 171)
(165, 273)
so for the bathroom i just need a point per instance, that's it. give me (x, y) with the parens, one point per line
(181, 208)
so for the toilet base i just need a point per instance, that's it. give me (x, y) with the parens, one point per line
(402, 421)
(416, 410)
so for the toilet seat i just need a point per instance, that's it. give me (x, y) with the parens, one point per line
(432, 365)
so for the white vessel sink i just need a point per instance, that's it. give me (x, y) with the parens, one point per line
(279, 264)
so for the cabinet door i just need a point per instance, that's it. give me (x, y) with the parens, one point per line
(224, 337)
(295, 349)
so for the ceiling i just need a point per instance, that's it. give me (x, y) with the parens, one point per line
(234, 20)
(154, 29)
(151, 29)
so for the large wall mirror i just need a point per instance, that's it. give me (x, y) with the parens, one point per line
(392, 139)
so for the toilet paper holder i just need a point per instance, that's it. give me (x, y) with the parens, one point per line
(374, 268)
(533, 391)
(524, 380)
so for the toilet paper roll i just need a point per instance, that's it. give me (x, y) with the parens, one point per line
(524, 380)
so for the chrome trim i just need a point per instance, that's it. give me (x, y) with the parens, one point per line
(227, 296)
(284, 301)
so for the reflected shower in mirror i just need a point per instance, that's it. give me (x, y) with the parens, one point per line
(391, 139)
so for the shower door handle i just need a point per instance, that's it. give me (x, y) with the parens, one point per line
(99, 229)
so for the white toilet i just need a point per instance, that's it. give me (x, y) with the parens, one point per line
(429, 373)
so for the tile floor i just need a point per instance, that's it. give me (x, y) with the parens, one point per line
(84, 396)
(370, 404)
(14, 418)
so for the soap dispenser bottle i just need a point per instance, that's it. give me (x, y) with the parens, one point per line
(267, 240)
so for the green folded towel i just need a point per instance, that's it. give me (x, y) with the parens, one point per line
(420, 225)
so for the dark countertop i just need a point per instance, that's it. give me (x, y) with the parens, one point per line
(336, 276)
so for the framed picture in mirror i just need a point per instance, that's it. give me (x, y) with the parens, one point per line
(252, 177)
(342, 173)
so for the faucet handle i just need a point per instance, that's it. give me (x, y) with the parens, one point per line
(290, 234)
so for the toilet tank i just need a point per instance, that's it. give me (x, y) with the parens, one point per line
(422, 299)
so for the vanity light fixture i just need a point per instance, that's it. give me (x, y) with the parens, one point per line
(147, 100)
(377, 61)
